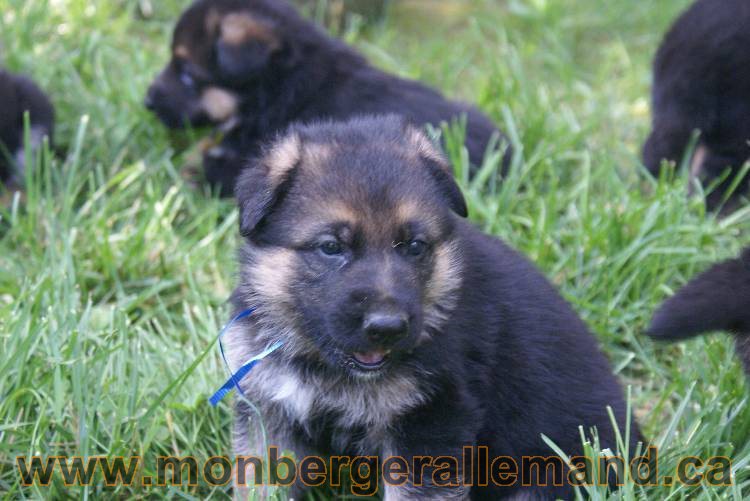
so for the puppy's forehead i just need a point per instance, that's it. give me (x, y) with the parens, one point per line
(377, 188)
(238, 28)
(357, 173)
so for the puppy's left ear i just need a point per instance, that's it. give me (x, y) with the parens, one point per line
(244, 46)
(262, 184)
(439, 169)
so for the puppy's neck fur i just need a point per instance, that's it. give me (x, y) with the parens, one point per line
(282, 385)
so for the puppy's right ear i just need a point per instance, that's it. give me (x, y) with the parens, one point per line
(261, 185)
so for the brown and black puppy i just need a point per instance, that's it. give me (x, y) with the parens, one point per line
(702, 82)
(252, 67)
(716, 300)
(407, 331)
(18, 95)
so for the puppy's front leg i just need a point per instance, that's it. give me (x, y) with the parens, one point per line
(221, 166)
(249, 444)
(425, 482)
(433, 454)
(223, 162)
(409, 492)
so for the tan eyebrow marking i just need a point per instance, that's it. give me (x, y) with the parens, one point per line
(237, 29)
(411, 210)
(181, 52)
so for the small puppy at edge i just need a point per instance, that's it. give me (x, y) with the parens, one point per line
(406, 330)
(702, 81)
(252, 67)
(19, 94)
(716, 300)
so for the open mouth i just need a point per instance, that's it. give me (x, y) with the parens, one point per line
(371, 360)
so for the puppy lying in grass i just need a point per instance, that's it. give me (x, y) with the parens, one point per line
(406, 330)
(702, 81)
(18, 95)
(252, 67)
(716, 300)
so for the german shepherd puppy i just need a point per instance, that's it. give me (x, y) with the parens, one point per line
(18, 95)
(716, 300)
(702, 81)
(252, 67)
(407, 331)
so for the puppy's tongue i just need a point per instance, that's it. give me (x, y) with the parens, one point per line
(370, 358)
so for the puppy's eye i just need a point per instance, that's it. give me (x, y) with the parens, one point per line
(331, 248)
(416, 248)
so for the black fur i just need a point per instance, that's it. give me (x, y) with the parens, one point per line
(497, 359)
(19, 94)
(301, 74)
(716, 300)
(702, 81)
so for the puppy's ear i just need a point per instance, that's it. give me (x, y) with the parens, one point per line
(439, 169)
(244, 46)
(263, 183)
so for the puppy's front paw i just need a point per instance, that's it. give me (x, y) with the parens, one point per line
(222, 165)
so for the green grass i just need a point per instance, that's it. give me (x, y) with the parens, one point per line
(114, 271)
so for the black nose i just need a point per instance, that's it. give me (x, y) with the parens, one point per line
(384, 327)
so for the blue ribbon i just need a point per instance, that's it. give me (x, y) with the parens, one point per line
(236, 377)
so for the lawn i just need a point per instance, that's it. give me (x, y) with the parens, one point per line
(115, 268)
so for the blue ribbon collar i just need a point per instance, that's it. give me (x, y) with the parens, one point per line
(236, 377)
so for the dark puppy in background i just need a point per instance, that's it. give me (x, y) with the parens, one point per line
(252, 67)
(406, 330)
(18, 95)
(702, 82)
(716, 300)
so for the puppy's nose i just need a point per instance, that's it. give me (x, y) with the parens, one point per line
(385, 327)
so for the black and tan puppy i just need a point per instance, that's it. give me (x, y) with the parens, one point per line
(18, 95)
(716, 300)
(406, 330)
(702, 82)
(252, 67)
